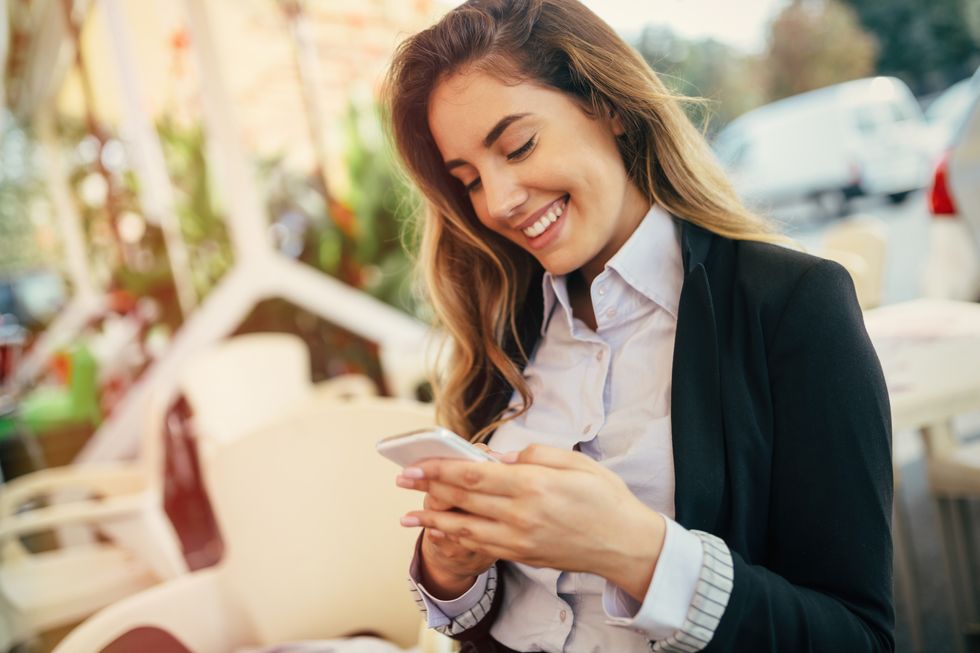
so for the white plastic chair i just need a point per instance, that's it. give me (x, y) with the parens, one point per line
(120, 501)
(246, 382)
(954, 483)
(861, 239)
(309, 515)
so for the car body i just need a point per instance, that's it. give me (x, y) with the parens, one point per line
(863, 137)
(954, 201)
(944, 113)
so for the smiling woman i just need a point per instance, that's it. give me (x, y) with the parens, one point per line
(524, 180)
(695, 422)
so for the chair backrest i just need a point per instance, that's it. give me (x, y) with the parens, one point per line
(867, 238)
(244, 383)
(309, 514)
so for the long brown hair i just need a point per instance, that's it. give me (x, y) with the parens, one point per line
(475, 278)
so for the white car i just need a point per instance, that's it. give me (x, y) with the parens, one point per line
(945, 112)
(864, 137)
(954, 201)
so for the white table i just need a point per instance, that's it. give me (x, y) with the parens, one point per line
(930, 354)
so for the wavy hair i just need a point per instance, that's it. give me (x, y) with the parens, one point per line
(476, 279)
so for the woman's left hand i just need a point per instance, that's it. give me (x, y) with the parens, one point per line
(551, 508)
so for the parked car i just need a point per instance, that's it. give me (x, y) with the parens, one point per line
(944, 113)
(864, 137)
(954, 201)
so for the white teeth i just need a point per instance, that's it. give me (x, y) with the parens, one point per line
(544, 222)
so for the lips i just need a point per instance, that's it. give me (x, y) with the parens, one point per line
(539, 223)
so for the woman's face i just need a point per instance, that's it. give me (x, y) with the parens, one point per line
(538, 169)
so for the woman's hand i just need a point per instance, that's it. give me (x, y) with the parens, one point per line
(448, 568)
(552, 508)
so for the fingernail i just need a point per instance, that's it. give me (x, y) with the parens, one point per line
(401, 481)
(436, 533)
(410, 520)
(413, 472)
(509, 457)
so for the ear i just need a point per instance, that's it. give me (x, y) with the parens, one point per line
(615, 124)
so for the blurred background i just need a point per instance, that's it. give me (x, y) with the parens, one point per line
(177, 175)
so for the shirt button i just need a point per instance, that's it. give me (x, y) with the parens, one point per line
(611, 312)
(563, 615)
(588, 427)
(602, 290)
(598, 356)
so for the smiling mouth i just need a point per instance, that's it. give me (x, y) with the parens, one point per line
(546, 220)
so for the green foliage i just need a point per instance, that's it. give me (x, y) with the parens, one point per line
(19, 187)
(813, 44)
(706, 69)
(201, 223)
(383, 206)
(927, 43)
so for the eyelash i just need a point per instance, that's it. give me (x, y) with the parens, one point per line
(517, 155)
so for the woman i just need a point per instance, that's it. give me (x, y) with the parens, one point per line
(695, 423)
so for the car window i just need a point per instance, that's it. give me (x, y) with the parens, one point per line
(874, 116)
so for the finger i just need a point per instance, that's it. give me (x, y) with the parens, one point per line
(539, 454)
(459, 525)
(483, 477)
(503, 457)
(432, 503)
(444, 496)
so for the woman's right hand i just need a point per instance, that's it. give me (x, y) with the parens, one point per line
(448, 568)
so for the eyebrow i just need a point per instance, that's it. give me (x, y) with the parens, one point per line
(491, 136)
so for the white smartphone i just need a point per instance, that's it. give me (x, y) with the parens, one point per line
(436, 442)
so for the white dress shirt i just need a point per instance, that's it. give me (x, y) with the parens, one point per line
(606, 393)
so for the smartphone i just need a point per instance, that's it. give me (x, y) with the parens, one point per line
(435, 442)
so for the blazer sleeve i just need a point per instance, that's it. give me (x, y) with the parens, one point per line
(827, 579)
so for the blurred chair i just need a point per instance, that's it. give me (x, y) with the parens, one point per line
(954, 482)
(131, 544)
(861, 245)
(309, 512)
(246, 382)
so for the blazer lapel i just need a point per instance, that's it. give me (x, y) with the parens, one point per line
(696, 410)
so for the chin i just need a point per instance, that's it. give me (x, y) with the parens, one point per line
(558, 265)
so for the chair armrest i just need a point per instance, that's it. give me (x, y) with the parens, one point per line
(194, 609)
(76, 512)
(431, 641)
(344, 386)
(104, 478)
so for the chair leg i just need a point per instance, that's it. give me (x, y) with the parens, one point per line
(905, 578)
(952, 513)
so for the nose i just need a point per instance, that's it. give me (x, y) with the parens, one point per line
(504, 194)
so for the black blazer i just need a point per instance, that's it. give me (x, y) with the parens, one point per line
(782, 446)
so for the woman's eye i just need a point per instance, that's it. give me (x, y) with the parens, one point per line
(522, 151)
(516, 155)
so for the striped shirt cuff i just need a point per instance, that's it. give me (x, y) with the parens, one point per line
(710, 599)
(455, 625)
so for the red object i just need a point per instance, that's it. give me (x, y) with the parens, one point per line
(940, 201)
(61, 367)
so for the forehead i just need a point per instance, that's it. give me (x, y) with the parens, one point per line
(465, 106)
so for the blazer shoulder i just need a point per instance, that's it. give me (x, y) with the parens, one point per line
(773, 272)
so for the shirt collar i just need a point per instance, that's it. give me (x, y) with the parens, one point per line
(649, 261)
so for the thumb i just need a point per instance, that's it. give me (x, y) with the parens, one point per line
(538, 454)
